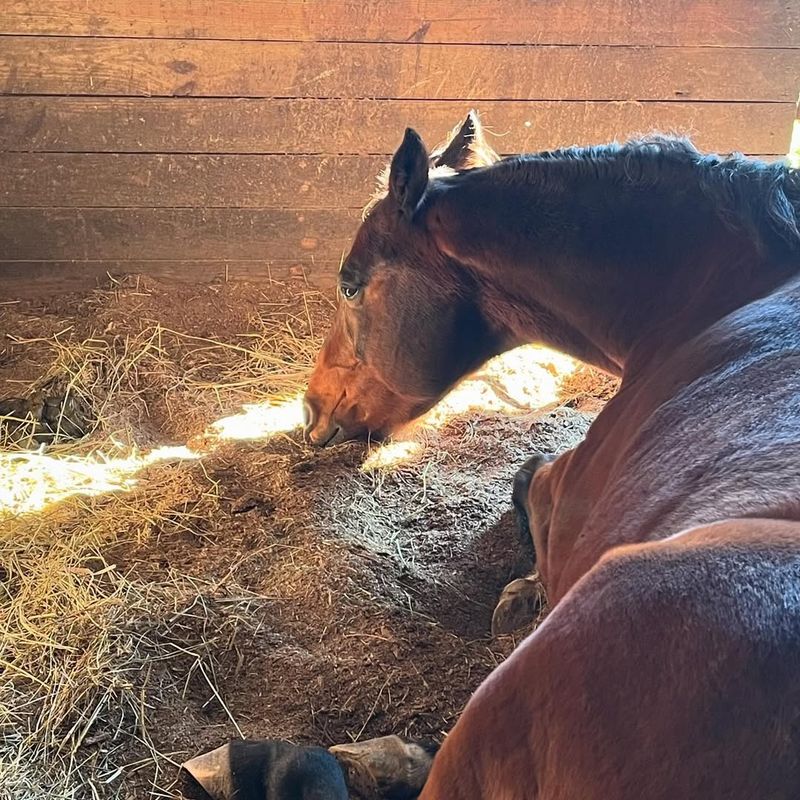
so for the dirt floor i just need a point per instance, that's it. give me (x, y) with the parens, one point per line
(265, 589)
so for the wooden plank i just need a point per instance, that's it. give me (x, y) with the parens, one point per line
(66, 234)
(31, 278)
(77, 180)
(191, 181)
(363, 126)
(166, 68)
(768, 23)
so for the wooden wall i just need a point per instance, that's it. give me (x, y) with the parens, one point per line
(199, 138)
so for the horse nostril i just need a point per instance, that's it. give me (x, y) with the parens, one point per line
(309, 416)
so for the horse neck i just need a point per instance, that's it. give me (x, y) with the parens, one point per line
(597, 276)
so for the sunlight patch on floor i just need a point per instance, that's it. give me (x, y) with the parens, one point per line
(520, 380)
(260, 421)
(392, 454)
(32, 481)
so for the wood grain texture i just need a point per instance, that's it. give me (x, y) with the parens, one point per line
(358, 127)
(212, 139)
(65, 234)
(167, 68)
(768, 23)
(32, 278)
(193, 181)
(75, 180)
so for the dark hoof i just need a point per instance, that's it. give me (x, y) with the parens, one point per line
(520, 604)
(248, 770)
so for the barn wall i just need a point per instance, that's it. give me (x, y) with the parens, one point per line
(200, 138)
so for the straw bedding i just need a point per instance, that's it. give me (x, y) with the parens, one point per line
(254, 588)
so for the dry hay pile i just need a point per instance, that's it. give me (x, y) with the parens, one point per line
(262, 589)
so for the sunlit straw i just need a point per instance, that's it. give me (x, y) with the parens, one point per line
(391, 455)
(31, 481)
(521, 380)
(260, 421)
(518, 381)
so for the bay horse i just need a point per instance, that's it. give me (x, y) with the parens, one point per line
(668, 541)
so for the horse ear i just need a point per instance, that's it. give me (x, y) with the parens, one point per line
(467, 147)
(408, 175)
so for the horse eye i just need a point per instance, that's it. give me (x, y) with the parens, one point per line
(350, 292)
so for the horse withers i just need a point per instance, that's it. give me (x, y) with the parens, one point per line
(668, 541)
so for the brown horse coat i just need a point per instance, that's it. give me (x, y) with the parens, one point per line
(671, 670)
(709, 432)
(669, 540)
(670, 666)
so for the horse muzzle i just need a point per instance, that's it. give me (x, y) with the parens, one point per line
(323, 430)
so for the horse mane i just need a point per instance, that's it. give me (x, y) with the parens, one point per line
(754, 197)
(758, 198)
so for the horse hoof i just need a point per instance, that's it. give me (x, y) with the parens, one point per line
(385, 767)
(520, 603)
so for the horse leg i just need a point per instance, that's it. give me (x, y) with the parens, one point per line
(523, 598)
(521, 492)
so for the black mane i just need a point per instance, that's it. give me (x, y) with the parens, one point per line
(758, 198)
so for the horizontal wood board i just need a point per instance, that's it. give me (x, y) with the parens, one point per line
(41, 180)
(212, 139)
(362, 127)
(167, 68)
(764, 23)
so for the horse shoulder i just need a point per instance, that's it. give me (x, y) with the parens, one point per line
(709, 433)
